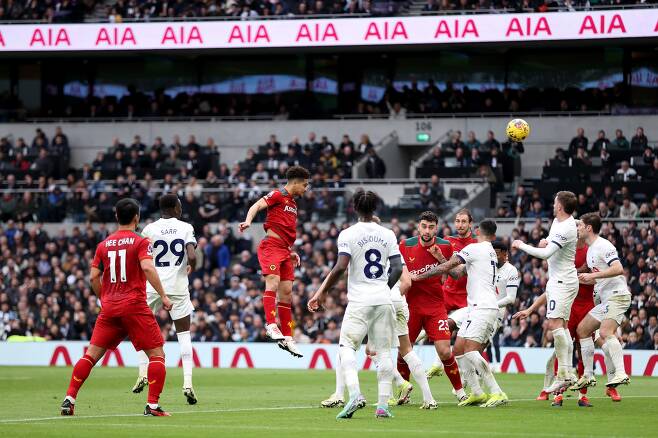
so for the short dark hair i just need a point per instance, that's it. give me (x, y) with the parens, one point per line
(500, 245)
(567, 200)
(428, 216)
(168, 202)
(297, 172)
(593, 220)
(126, 210)
(465, 212)
(365, 202)
(488, 228)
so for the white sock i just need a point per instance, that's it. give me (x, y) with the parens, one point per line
(69, 398)
(416, 367)
(614, 348)
(561, 352)
(609, 365)
(340, 382)
(467, 371)
(350, 374)
(587, 354)
(549, 375)
(143, 361)
(397, 377)
(570, 352)
(185, 342)
(482, 367)
(384, 377)
(153, 405)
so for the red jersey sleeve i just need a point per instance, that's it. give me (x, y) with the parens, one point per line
(144, 249)
(273, 198)
(97, 262)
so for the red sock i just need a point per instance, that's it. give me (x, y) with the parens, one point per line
(403, 368)
(581, 371)
(81, 371)
(452, 371)
(156, 375)
(285, 318)
(555, 367)
(269, 306)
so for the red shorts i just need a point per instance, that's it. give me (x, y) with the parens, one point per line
(454, 301)
(435, 324)
(579, 310)
(138, 324)
(274, 259)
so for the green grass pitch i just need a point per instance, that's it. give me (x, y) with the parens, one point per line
(241, 402)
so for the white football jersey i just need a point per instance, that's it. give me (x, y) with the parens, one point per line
(507, 281)
(369, 246)
(169, 238)
(480, 260)
(600, 256)
(561, 265)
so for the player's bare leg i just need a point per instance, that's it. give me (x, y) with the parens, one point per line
(156, 374)
(80, 373)
(417, 371)
(269, 306)
(185, 341)
(285, 317)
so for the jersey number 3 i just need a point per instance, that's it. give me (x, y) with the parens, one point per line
(177, 248)
(373, 268)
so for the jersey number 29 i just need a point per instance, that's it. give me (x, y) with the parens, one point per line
(177, 248)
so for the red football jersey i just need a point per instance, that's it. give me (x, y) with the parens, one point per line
(458, 286)
(424, 294)
(585, 291)
(281, 215)
(118, 256)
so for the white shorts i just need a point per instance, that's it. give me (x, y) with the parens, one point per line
(615, 308)
(500, 317)
(181, 305)
(401, 318)
(377, 322)
(479, 325)
(459, 316)
(559, 298)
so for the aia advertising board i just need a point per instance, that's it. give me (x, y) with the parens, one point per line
(503, 28)
(268, 355)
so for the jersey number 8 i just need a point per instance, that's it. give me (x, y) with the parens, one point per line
(373, 268)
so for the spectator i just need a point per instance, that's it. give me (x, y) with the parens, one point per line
(260, 174)
(601, 143)
(472, 142)
(639, 141)
(375, 166)
(626, 172)
(579, 141)
(619, 143)
(491, 143)
(628, 209)
(396, 111)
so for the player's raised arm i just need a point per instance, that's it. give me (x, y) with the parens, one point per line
(261, 204)
(540, 253)
(443, 268)
(339, 269)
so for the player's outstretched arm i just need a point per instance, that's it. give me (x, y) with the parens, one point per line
(405, 280)
(523, 314)
(318, 298)
(396, 270)
(443, 268)
(540, 253)
(458, 272)
(615, 269)
(153, 278)
(261, 204)
(95, 280)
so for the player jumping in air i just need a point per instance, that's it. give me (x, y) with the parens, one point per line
(173, 244)
(122, 265)
(481, 267)
(425, 299)
(276, 257)
(613, 300)
(365, 248)
(454, 289)
(562, 286)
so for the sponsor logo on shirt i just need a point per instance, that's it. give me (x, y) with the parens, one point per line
(424, 269)
(290, 209)
(561, 237)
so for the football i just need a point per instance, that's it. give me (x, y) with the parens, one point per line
(517, 130)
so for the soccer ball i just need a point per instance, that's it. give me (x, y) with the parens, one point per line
(517, 130)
